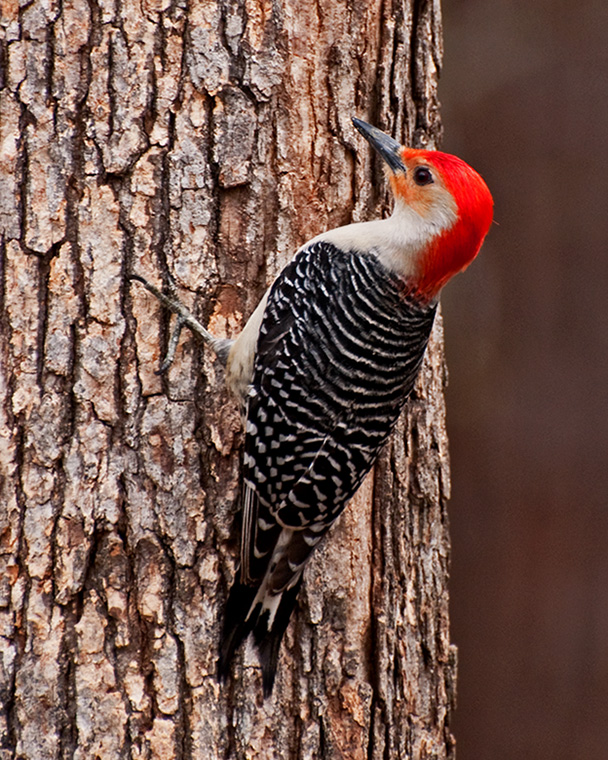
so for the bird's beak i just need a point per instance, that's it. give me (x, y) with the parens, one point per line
(387, 148)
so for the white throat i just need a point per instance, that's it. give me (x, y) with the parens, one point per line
(397, 241)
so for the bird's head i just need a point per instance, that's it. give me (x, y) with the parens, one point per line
(444, 203)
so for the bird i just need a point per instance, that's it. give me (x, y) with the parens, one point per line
(323, 369)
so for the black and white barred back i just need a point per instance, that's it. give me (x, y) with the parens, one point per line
(339, 349)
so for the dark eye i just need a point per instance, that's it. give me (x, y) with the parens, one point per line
(423, 176)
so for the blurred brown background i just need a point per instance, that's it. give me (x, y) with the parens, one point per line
(525, 100)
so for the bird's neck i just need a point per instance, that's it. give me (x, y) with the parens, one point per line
(399, 242)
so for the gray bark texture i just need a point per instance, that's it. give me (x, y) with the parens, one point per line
(197, 143)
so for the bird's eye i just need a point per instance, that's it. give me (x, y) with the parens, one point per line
(423, 176)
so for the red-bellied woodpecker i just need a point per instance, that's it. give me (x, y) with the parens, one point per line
(324, 367)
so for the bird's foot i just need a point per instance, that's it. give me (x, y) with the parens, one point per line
(185, 318)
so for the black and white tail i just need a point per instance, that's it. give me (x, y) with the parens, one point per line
(241, 619)
(264, 606)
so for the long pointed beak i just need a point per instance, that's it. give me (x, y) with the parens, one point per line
(387, 148)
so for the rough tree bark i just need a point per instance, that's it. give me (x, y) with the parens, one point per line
(197, 142)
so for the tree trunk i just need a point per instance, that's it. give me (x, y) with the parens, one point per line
(197, 143)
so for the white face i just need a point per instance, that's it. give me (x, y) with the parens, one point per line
(415, 224)
(421, 191)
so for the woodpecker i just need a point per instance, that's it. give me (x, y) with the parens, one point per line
(324, 367)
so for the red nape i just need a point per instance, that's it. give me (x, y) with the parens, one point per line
(454, 250)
